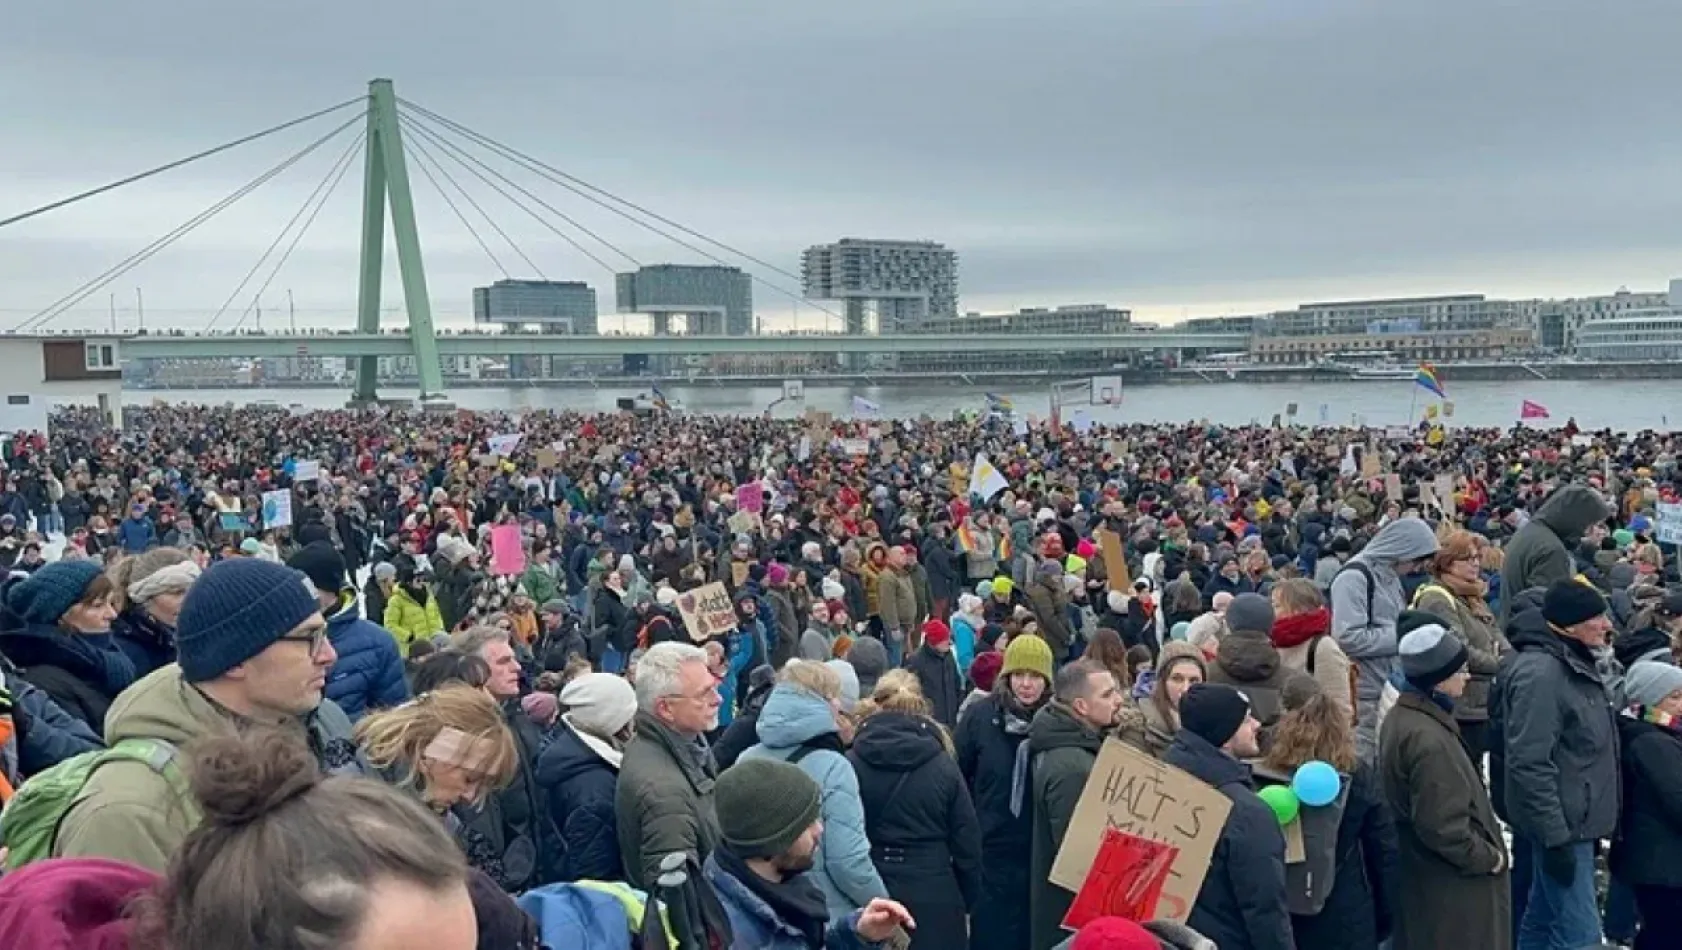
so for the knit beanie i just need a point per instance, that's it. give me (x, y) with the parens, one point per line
(540, 707)
(776, 575)
(1250, 613)
(1213, 712)
(764, 805)
(937, 633)
(1430, 655)
(1647, 683)
(599, 703)
(1028, 653)
(235, 610)
(1114, 933)
(1568, 603)
(322, 564)
(869, 659)
(1180, 650)
(984, 670)
(54, 588)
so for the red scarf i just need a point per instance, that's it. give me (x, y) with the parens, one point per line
(1296, 630)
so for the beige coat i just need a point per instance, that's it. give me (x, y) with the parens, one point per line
(1331, 668)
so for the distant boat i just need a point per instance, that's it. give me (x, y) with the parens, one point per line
(1383, 372)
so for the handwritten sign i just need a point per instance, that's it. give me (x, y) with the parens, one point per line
(707, 611)
(306, 471)
(508, 554)
(547, 459)
(1393, 487)
(1370, 464)
(750, 497)
(1126, 880)
(855, 446)
(1134, 793)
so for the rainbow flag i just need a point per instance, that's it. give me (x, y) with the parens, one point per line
(1005, 547)
(966, 538)
(660, 399)
(996, 403)
(1427, 376)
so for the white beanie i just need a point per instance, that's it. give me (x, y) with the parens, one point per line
(1117, 602)
(832, 590)
(601, 703)
(666, 595)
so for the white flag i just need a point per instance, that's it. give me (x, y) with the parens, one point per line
(984, 479)
(865, 409)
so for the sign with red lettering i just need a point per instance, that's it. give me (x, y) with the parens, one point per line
(1134, 793)
(1126, 880)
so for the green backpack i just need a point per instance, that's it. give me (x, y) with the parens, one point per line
(29, 825)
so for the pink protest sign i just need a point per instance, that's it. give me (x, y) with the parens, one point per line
(750, 497)
(508, 554)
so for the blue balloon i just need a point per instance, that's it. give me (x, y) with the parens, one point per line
(1316, 784)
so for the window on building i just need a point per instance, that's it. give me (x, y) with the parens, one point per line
(101, 356)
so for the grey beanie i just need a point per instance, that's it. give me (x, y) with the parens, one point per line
(1250, 613)
(764, 806)
(1648, 682)
(1430, 655)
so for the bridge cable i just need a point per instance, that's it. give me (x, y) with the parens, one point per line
(309, 200)
(460, 154)
(567, 181)
(65, 303)
(422, 159)
(345, 163)
(179, 162)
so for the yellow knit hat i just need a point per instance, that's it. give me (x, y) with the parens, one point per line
(1028, 653)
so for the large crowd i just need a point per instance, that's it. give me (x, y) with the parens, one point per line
(374, 679)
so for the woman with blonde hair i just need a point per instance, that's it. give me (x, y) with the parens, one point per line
(147, 591)
(452, 747)
(925, 839)
(1150, 724)
(1457, 595)
(1362, 853)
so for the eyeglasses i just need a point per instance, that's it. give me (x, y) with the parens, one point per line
(315, 639)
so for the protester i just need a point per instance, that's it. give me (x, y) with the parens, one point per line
(1063, 745)
(1241, 904)
(1367, 598)
(1456, 594)
(924, 837)
(1643, 854)
(147, 591)
(369, 672)
(1453, 882)
(1150, 724)
(1561, 761)
(1302, 626)
(801, 725)
(64, 646)
(664, 801)
(769, 831)
(995, 761)
(579, 770)
(253, 650)
(1247, 659)
(937, 673)
(1539, 554)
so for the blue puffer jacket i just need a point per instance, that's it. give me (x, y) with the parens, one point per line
(369, 672)
(579, 776)
(46, 735)
(754, 925)
(793, 718)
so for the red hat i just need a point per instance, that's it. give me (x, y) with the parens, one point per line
(1114, 933)
(984, 670)
(936, 633)
(71, 904)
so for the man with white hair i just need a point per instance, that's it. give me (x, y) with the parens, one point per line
(664, 802)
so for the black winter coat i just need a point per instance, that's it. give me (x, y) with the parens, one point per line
(1241, 905)
(987, 759)
(579, 785)
(82, 674)
(937, 673)
(1062, 750)
(936, 555)
(1650, 837)
(1358, 914)
(924, 837)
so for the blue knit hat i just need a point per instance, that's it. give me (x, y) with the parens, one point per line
(52, 589)
(235, 610)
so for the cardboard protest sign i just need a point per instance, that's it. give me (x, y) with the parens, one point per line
(1132, 792)
(1444, 488)
(890, 449)
(855, 446)
(1115, 563)
(547, 458)
(744, 522)
(738, 573)
(1126, 880)
(1371, 467)
(508, 553)
(1393, 487)
(707, 611)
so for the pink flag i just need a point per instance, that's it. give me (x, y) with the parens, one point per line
(1532, 410)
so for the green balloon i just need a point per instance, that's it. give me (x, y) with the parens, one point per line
(1283, 801)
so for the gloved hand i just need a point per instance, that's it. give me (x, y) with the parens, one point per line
(1560, 863)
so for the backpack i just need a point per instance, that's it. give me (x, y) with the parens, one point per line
(29, 825)
(1309, 882)
(1366, 573)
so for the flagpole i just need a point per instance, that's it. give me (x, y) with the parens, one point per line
(1413, 403)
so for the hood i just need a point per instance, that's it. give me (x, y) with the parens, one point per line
(345, 615)
(162, 706)
(897, 742)
(1194, 754)
(1401, 540)
(1528, 629)
(1055, 727)
(1247, 657)
(571, 754)
(793, 716)
(1638, 645)
(72, 904)
(1570, 510)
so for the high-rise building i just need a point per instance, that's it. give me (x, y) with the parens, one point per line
(909, 283)
(556, 306)
(712, 300)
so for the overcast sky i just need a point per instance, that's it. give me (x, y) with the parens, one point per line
(1178, 158)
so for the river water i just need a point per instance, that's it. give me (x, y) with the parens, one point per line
(1593, 403)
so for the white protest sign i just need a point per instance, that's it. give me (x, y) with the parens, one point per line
(1669, 527)
(504, 444)
(277, 509)
(707, 611)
